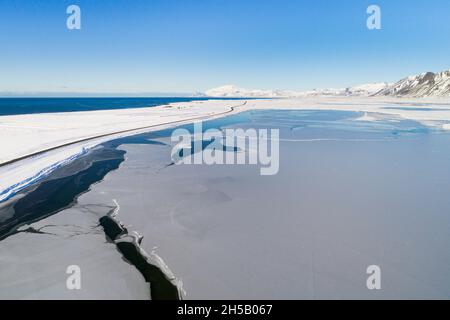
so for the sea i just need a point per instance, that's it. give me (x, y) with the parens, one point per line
(16, 106)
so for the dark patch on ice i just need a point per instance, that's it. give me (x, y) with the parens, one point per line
(64, 185)
(111, 227)
(161, 288)
(36, 231)
(61, 189)
(186, 152)
(165, 167)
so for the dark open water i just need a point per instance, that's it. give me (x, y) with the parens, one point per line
(14, 106)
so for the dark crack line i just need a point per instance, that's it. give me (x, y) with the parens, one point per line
(163, 284)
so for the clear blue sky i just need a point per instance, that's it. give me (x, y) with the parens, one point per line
(188, 45)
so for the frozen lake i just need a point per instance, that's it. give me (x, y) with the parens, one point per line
(349, 194)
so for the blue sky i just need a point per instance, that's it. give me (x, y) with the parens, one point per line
(189, 45)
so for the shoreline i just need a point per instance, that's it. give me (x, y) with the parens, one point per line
(43, 142)
(46, 161)
(162, 282)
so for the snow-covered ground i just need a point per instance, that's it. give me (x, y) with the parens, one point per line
(22, 135)
(232, 91)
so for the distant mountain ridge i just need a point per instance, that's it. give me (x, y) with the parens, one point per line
(427, 84)
(237, 92)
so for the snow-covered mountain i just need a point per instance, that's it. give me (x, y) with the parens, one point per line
(367, 89)
(427, 84)
(236, 92)
(361, 90)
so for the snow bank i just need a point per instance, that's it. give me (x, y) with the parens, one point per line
(24, 135)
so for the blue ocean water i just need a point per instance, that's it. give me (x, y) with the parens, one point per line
(15, 106)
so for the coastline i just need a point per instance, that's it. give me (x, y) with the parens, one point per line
(34, 145)
(22, 171)
(209, 235)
